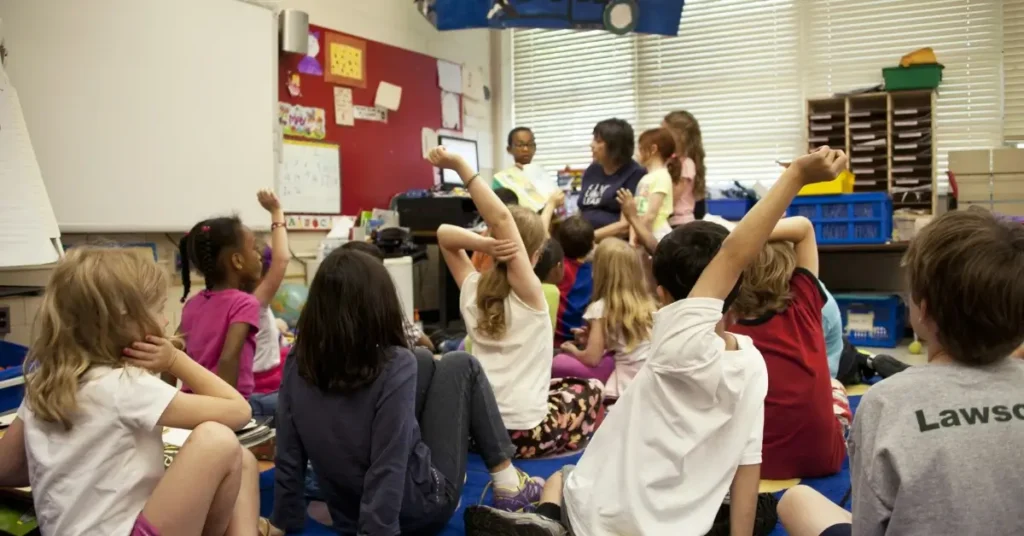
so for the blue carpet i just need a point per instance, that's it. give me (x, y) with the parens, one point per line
(833, 487)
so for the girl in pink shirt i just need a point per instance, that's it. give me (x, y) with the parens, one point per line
(689, 191)
(219, 324)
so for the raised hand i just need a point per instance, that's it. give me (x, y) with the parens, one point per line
(821, 165)
(557, 199)
(440, 157)
(268, 200)
(627, 203)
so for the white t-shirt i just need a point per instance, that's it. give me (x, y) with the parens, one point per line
(628, 361)
(518, 365)
(96, 478)
(664, 459)
(268, 342)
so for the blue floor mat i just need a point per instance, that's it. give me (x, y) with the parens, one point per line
(477, 477)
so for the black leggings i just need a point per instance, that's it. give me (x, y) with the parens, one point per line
(700, 209)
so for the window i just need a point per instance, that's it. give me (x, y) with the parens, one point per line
(734, 67)
(852, 40)
(1013, 61)
(745, 68)
(564, 82)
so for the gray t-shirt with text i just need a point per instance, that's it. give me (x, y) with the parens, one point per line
(937, 449)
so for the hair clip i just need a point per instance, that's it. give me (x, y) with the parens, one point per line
(206, 228)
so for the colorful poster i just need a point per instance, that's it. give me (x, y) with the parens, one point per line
(302, 121)
(346, 61)
(310, 64)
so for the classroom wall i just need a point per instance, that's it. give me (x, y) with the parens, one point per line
(393, 22)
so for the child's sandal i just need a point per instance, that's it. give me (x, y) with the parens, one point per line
(266, 529)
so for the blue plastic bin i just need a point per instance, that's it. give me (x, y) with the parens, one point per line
(863, 218)
(729, 209)
(882, 312)
(11, 357)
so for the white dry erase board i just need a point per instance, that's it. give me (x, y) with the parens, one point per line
(310, 178)
(147, 116)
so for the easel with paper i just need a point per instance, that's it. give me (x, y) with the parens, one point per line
(28, 227)
(309, 180)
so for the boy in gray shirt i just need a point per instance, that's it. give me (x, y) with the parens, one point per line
(936, 449)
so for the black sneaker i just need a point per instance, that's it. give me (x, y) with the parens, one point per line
(487, 521)
(887, 365)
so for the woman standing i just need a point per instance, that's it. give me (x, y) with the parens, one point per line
(612, 170)
(689, 192)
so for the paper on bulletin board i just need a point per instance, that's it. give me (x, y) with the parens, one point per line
(485, 148)
(451, 111)
(389, 96)
(474, 114)
(428, 140)
(343, 113)
(473, 83)
(302, 121)
(449, 76)
(370, 113)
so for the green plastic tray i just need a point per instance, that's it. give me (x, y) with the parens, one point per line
(913, 77)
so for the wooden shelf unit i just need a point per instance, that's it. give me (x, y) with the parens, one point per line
(890, 139)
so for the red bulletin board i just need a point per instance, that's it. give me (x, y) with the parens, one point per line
(378, 160)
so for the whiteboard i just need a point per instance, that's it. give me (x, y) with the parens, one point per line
(147, 116)
(310, 178)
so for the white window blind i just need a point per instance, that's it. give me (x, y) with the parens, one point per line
(564, 82)
(850, 41)
(734, 66)
(1013, 65)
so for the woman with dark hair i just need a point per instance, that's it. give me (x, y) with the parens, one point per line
(386, 431)
(613, 169)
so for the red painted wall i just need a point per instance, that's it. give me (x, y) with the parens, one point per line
(378, 160)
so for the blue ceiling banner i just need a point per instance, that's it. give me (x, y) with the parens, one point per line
(659, 17)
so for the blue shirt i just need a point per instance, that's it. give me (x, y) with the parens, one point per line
(373, 469)
(832, 324)
(597, 202)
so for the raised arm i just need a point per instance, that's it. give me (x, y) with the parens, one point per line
(556, 200)
(502, 226)
(280, 256)
(800, 231)
(745, 242)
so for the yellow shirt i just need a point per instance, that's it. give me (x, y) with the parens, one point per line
(655, 182)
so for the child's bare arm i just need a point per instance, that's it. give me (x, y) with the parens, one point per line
(556, 200)
(745, 242)
(502, 226)
(743, 500)
(280, 255)
(595, 347)
(611, 230)
(13, 458)
(800, 231)
(644, 234)
(231, 353)
(454, 241)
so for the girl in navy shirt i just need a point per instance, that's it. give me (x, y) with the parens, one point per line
(613, 169)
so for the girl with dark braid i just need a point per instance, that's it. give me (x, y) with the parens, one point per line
(220, 323)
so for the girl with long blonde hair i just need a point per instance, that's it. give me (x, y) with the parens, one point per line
(89, 435)
(620, 315)
(509, 326)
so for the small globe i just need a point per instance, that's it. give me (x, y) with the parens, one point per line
(289, 301)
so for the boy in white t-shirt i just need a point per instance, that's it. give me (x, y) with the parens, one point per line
(688, 431)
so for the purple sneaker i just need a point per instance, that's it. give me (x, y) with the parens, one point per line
(523, 499)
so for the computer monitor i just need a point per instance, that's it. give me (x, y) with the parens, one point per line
(466, 149)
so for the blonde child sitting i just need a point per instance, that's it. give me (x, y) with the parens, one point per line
(620, 316)
(88, 436)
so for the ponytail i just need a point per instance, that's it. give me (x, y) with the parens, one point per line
(491, 294)
(186, 276)
(675, 168)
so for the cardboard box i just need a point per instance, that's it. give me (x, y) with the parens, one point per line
(970, 162)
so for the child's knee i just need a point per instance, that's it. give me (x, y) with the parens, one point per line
(249, 462)
(217, 441)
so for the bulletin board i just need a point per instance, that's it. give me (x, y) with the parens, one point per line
(378, 160)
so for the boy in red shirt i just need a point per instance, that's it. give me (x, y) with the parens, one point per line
(807, 415)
